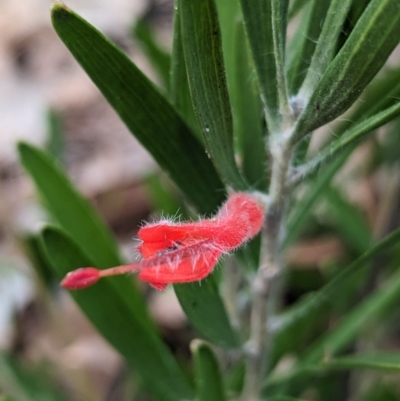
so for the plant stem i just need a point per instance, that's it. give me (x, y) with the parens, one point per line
(267, 286)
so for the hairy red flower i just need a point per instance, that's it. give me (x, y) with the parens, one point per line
(184, 252)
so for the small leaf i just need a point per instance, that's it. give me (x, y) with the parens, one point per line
(347, 141)
(248, 116)
(279, 10)
(302, 47)
(378, 360)
(125, 330)
(361, 57)
(257, 16)
(179, 86)
(202, 304)
(324, 51)
(143, 109)
(202, 48)
(208, 379)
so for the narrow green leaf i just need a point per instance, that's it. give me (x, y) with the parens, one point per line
(378, 360)
(315, 301)
(348, 140)
(77, 217)
(143, 109)
(257, 16)
(202, 304)
(304, 42)
(361, 57)
(326, 45)
(348, 219)
(355, 12)
(71, 210)
(202, 47)
(279, 10)
(248, 116)
(208, 379)
(111, 315)
(159, 58)
(179, 87)
(228, 15)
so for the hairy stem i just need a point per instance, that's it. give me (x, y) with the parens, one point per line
(267, 286)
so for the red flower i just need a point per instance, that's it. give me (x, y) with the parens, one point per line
(184, 252)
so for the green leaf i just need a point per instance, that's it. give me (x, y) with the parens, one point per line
(279, 9)
(111, 314)
(179, 87)
(302, 47)
(257, 16)
(347, 141)
(159, 58)
(202, 47)
(315, 301)
(142, 108)
(228, 15)
(202, 304)
(378, 360)
(248, 117)
(208, 379)
(361, 57)
(77, 218)
(326, 45)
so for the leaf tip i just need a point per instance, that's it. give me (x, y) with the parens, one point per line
(59, 10)
(197, 344)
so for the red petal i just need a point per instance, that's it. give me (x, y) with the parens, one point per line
(186, 270)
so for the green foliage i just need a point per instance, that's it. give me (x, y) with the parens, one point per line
(236, 112)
